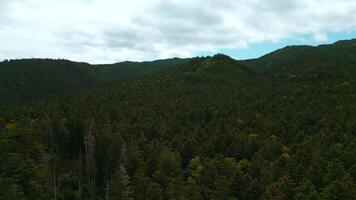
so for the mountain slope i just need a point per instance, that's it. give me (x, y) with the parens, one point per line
(128, 69)
(22, 80)
(294, 58)
(27, 79)
(213, 128)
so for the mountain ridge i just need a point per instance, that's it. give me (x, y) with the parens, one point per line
(27, 78)
(205, 129)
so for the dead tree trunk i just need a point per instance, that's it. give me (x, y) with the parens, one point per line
(119, 187)
(80, 174)
(90, 162)
(54, 182)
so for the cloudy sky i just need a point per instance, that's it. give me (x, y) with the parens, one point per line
(107, 31)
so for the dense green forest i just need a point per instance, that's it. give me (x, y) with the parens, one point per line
(27, 79)
(279, 127)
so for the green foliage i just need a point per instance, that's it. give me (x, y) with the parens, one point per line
(27, 79)
(279, 127)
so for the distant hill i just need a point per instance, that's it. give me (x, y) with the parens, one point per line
(30, 78)
(318, 58)
(25, 79)
(218, 68)
(128, 69)
(282, 126)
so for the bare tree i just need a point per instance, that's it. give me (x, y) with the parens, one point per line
(119, 186)
(80, 174)
(89, 142)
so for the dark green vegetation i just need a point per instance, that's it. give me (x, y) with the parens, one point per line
(28, 79)
(128, 69)
(279, 127)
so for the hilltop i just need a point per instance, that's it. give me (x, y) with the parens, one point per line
(282, 126)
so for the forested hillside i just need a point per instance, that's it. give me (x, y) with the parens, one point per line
(279, 127)
(27, 79)
(23, 80)
(125, 70)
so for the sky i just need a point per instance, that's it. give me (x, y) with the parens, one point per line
(108, 31)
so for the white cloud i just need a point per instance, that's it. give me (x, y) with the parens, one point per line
(320, 37)
(114, 30)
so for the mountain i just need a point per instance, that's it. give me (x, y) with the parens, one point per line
(298, 57)
(27, 79)
(124, 70)
(278, 127)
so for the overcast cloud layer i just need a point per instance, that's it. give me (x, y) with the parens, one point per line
(104, 31)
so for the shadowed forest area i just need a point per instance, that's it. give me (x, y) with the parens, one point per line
(282, 126)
